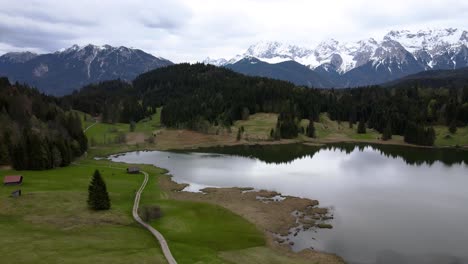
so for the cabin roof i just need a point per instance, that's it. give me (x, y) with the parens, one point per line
(133, 169)
(12, 179)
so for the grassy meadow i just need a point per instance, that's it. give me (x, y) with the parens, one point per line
(51, 223)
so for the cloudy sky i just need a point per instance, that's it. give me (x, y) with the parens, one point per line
(190, 30)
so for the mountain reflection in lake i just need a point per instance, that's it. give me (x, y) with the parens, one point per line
(391, 204)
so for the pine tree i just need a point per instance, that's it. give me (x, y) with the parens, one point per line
(98, 198)
(453, 127)
(239, 134)
(311, 129)
(387, 133)
(361, 127)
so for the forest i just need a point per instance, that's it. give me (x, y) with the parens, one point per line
(35, 132)
(196, 96)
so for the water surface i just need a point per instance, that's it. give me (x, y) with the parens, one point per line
(390, 204)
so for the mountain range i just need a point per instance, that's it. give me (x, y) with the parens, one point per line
(64, 71)
(330, 64)
(365, 62)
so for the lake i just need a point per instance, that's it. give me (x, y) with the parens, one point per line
(391, 204)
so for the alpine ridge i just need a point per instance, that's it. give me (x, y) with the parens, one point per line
(66, 70)
(366, 62)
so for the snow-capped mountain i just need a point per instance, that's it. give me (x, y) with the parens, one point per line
(65, 70)
(216, 62)
(17, 57)
(370, 61)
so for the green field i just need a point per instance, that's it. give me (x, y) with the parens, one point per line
(258, 126)
(103, 133)
(50, 222)
(445, 138)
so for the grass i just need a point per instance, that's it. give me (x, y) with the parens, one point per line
(327, 128)
(50, 222)
(259, 255)
(197, 232)
(258, 126)
(444, 138)
(104, 134)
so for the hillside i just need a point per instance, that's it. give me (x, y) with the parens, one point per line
(288, 71)
(437, 78)
(35, 132)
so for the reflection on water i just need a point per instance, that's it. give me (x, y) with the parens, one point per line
(391, 204)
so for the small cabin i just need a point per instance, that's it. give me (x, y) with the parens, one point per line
(13, 180)
(133, 170)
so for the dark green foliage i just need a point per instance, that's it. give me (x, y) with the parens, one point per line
(311, 129)
(453, 127)
(193, 92)
(287, 125)
(116, 101)
(302, 130)
(419, 135)
(132, 126)
(361, 129)
(98, 198)
(35, 133)
(387, 133)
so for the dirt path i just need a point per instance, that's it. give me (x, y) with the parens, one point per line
(162, 241)
(159, 236)
(90, 126)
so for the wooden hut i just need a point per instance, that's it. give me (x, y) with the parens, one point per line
(133, 170)
(13, 180)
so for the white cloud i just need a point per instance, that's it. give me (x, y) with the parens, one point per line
(190, 30)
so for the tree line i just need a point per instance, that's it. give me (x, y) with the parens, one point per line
(197, 94)
(35, 132)
(115, 101)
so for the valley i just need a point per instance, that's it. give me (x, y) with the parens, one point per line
(258, 159)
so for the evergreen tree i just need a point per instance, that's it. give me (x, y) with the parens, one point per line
(419, 135)
(387, 133)
(311, 129)
(98, 198)
(453, 127)
(361, 127)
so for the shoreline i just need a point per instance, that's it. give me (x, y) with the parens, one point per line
(275, 219)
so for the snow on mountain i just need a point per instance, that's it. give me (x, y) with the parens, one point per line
(17, 57)
(63, 71)
(216, 62)
(432, 49)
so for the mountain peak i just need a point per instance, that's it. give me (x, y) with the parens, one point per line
(80, 65)
(18, 57)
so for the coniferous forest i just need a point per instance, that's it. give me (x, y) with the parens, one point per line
(35, 132)
(193, 94)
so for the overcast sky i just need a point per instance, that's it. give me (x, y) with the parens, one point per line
(190, 30)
